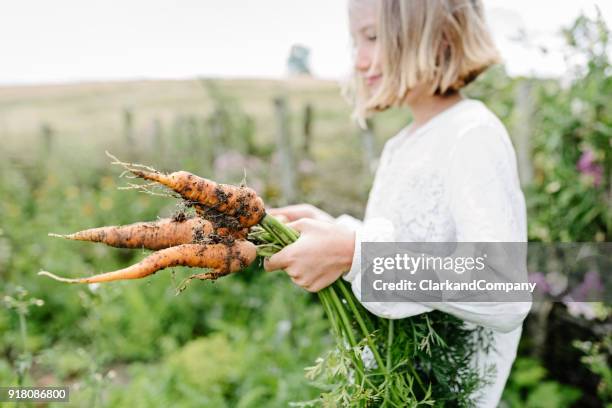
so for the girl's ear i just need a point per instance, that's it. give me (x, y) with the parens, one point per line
(444, 46)
(442, 57)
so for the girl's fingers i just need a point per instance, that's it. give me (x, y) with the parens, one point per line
(301, 225)
(276, 262)
(282, 218)
(286, 212)
(291, 212)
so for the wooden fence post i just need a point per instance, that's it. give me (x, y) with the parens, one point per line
(46, 135)
(285, 154)
(307, 130)
(248, 133)
(522, 131)
(128, 126)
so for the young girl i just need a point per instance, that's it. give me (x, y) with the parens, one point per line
(450, 176)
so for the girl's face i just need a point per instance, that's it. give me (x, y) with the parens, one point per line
(363, 25)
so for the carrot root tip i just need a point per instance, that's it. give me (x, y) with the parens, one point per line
(58, 278)
(135, 168)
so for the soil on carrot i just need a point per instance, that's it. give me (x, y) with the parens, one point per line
(217, 218)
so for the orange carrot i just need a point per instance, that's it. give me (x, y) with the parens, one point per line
(221, 258)
(154, 235)
(239, 202)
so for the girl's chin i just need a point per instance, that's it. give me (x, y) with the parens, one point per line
(373, 87)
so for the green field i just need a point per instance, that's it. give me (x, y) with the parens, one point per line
(243, 341)
(87, 119)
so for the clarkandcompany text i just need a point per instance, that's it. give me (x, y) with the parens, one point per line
(474, 285)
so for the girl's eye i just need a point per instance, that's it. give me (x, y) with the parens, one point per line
(370, 35)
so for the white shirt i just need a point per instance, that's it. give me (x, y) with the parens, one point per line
(454, 179)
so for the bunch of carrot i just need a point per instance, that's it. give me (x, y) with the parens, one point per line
(215, 238)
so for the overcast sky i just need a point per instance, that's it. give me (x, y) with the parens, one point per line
(76, 40)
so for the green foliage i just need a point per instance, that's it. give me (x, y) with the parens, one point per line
(597, 359)
(208, 365)
(570, 198)
(427, 363)
(21, 302)
(528, 387)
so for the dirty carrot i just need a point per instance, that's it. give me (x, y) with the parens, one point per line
(153, 235)
(240, 202)
(222, 259)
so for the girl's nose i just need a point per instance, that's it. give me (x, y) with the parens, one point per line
(363, 60)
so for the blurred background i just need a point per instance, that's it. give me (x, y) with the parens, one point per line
(224, 89)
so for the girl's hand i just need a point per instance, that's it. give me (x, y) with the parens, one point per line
(322, 253)
(299, 211)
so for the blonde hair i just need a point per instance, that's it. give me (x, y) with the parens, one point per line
(441, 44)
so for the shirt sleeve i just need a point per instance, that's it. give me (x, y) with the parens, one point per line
(486, 205)
(349, 222)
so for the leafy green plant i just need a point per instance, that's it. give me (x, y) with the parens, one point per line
(570, 197)
(423, 360)
(20, 302)
(529, 387)
(597, 359)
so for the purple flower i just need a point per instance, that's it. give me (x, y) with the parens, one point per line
(590, 288)
(587, 166)
(540, 280)
(582, 299)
